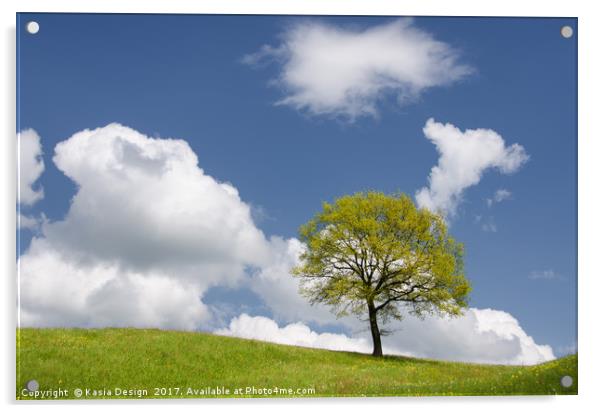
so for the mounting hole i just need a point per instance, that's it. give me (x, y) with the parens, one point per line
(566, 32)
(33, 385)
(566, 381)
(32, 27)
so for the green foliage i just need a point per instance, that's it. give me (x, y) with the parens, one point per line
(148, 359)
(374, 249)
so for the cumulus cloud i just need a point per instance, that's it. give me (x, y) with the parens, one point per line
(479, 336)
(146, 234)
(30, 167)
(338, 71)
(297, 334)
(274, 283)
(59, 291)
(463, 158)
(499, 196)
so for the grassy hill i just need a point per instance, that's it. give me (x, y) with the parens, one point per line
(159, 362)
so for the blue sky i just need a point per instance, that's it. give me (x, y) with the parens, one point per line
(183, 76)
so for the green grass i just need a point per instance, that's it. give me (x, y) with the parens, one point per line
(149, 359)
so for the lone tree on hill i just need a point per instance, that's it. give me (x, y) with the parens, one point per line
(379, 254)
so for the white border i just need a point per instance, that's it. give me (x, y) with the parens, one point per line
(343, 7)
(590, 136)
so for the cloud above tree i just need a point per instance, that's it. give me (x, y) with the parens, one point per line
(500, 195)
(464, 156)
(333, 70)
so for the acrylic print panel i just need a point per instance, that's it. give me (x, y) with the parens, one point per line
(295, 206)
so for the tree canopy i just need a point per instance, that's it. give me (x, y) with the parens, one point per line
(379, 254)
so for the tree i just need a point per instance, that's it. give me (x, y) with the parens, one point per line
(378, 254)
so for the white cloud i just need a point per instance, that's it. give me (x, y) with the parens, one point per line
(59, 291)
(480, 335)
(544, 275)
(297, 334)
(27, 222)
(463, 158)
(274, 283)
(499, 196)
(332, 70)
(146, 234)
(30, 167)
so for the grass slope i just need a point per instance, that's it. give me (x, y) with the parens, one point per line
(195, 363)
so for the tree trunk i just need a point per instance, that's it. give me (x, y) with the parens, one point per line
(378, 349)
